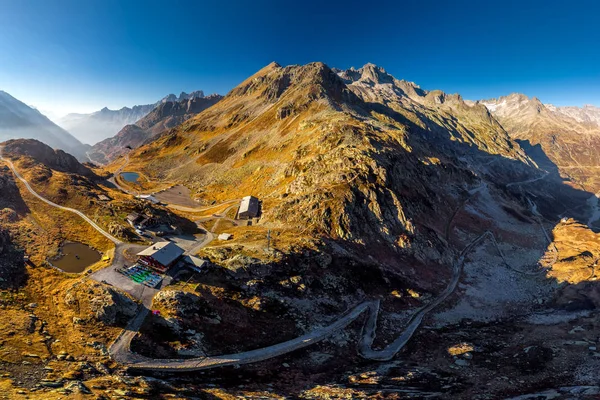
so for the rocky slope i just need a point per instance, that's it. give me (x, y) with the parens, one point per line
(17, 120)
(167, 114)
(357, 157)
(97, 126)
(563, 140)
(41, 153)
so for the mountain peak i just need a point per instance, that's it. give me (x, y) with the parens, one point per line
(368, 73)
(182, 96)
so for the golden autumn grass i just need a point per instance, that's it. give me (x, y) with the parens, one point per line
(579, 249)
(41, 231)
(44, 228)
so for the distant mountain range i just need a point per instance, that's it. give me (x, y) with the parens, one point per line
(97, 126)
(560, 139)
(18, 120)
(166, 115)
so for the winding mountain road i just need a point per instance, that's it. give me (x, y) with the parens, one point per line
(545, 174)
(33, 192)
(120, 350)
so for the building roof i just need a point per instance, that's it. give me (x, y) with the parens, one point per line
(133, 217)
(149, 198)
(163, 252)
(195, 262)
(225, 236)
(249, 204)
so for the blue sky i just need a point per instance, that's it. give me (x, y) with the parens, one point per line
(76, 56)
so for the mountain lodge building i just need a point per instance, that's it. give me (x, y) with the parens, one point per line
(249, 208)
(160, 256)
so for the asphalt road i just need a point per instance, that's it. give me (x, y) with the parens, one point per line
(120, 350)
(33, 192)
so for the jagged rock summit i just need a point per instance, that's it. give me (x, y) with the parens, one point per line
(105, 123)
(182, 96)
(166, 115)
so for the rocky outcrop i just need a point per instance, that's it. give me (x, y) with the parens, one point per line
(181, 304)
(119, 230)
(100, 302)
(180, 311)
(54, 159)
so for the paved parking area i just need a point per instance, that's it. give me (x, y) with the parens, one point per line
(111, 276)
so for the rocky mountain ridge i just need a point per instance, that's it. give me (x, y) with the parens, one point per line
(564, 140)
(41, 153)
(165, 116)
(356, 156)
(182, 96)
(105, 123)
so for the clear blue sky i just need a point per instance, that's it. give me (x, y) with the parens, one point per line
(63, 56)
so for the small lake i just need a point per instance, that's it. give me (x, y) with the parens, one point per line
(130, 176)
(76, 257)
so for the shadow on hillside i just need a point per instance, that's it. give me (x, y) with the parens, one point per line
(431, 195)
(537, 154)
(10, 196)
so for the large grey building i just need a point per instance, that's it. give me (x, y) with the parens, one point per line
(249, 208)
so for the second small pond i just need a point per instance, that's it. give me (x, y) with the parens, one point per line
(130, 176)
